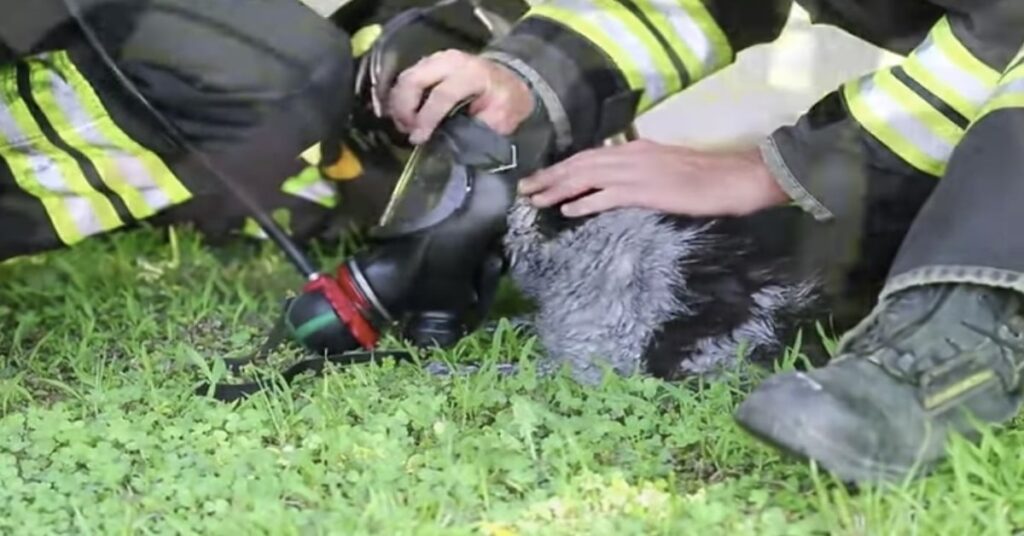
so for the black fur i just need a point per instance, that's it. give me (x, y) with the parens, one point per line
(642, 292)
(720, 285)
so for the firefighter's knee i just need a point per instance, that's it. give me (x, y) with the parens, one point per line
(320, 96)
(237, 63)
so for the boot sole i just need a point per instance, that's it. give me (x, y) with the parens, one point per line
(803, 444)
(846, 469)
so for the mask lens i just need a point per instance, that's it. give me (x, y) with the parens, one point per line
(431, 188)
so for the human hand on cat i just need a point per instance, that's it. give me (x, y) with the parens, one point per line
(665, 178)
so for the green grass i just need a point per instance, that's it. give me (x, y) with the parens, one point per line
(102, 434)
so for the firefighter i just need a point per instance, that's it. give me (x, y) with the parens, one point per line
(250, 86)
(264, 92)
(933, 147)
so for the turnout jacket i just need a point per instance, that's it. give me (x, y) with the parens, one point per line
(254, 84)
(597, 64)
(249, 89)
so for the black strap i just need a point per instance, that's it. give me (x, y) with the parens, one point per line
(475, 143)
(236, 391)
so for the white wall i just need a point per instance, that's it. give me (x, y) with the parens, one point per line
(767, 87)
(325, 7)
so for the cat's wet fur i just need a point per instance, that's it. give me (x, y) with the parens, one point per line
(638, 292)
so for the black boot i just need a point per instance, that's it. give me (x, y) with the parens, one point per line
(920, 368)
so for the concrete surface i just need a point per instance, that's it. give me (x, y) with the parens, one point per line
(768, 86)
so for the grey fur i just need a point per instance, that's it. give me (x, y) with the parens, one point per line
(716, 354)
(600, 293)
(607, 286)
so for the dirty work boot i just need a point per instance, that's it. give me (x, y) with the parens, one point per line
(906, 378)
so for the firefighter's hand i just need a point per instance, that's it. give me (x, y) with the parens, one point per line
(499, 98)
(665, 178)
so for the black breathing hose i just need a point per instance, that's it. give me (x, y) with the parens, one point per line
(274, 231)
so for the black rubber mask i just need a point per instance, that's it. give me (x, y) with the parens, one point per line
(439, 176)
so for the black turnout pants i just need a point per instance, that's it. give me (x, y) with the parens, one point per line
(251, 84)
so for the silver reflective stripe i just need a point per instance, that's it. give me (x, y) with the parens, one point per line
(83, 214)
(691, 33)
(54, 187)
(132, 170)
(964, 82)
(895, 116)
(621, 34)
(1015, 86)
(319, 191)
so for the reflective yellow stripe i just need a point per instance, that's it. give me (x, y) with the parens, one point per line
(903, 121)
(252, 229)
(685, 54)
(622, 58)
(960, 55)
(664, 23)
(310, 186)
(73, 131)
(611, 36)
(947, 68)
(957, 390)
(915, 106)
(671, 80)
(312, 155)
(1010, 93)
(154, 181)
(24, 160)
(1019, 59)
(364, 39)
(44, 171)
(692, 33)
(687, 26)
(722, 52)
